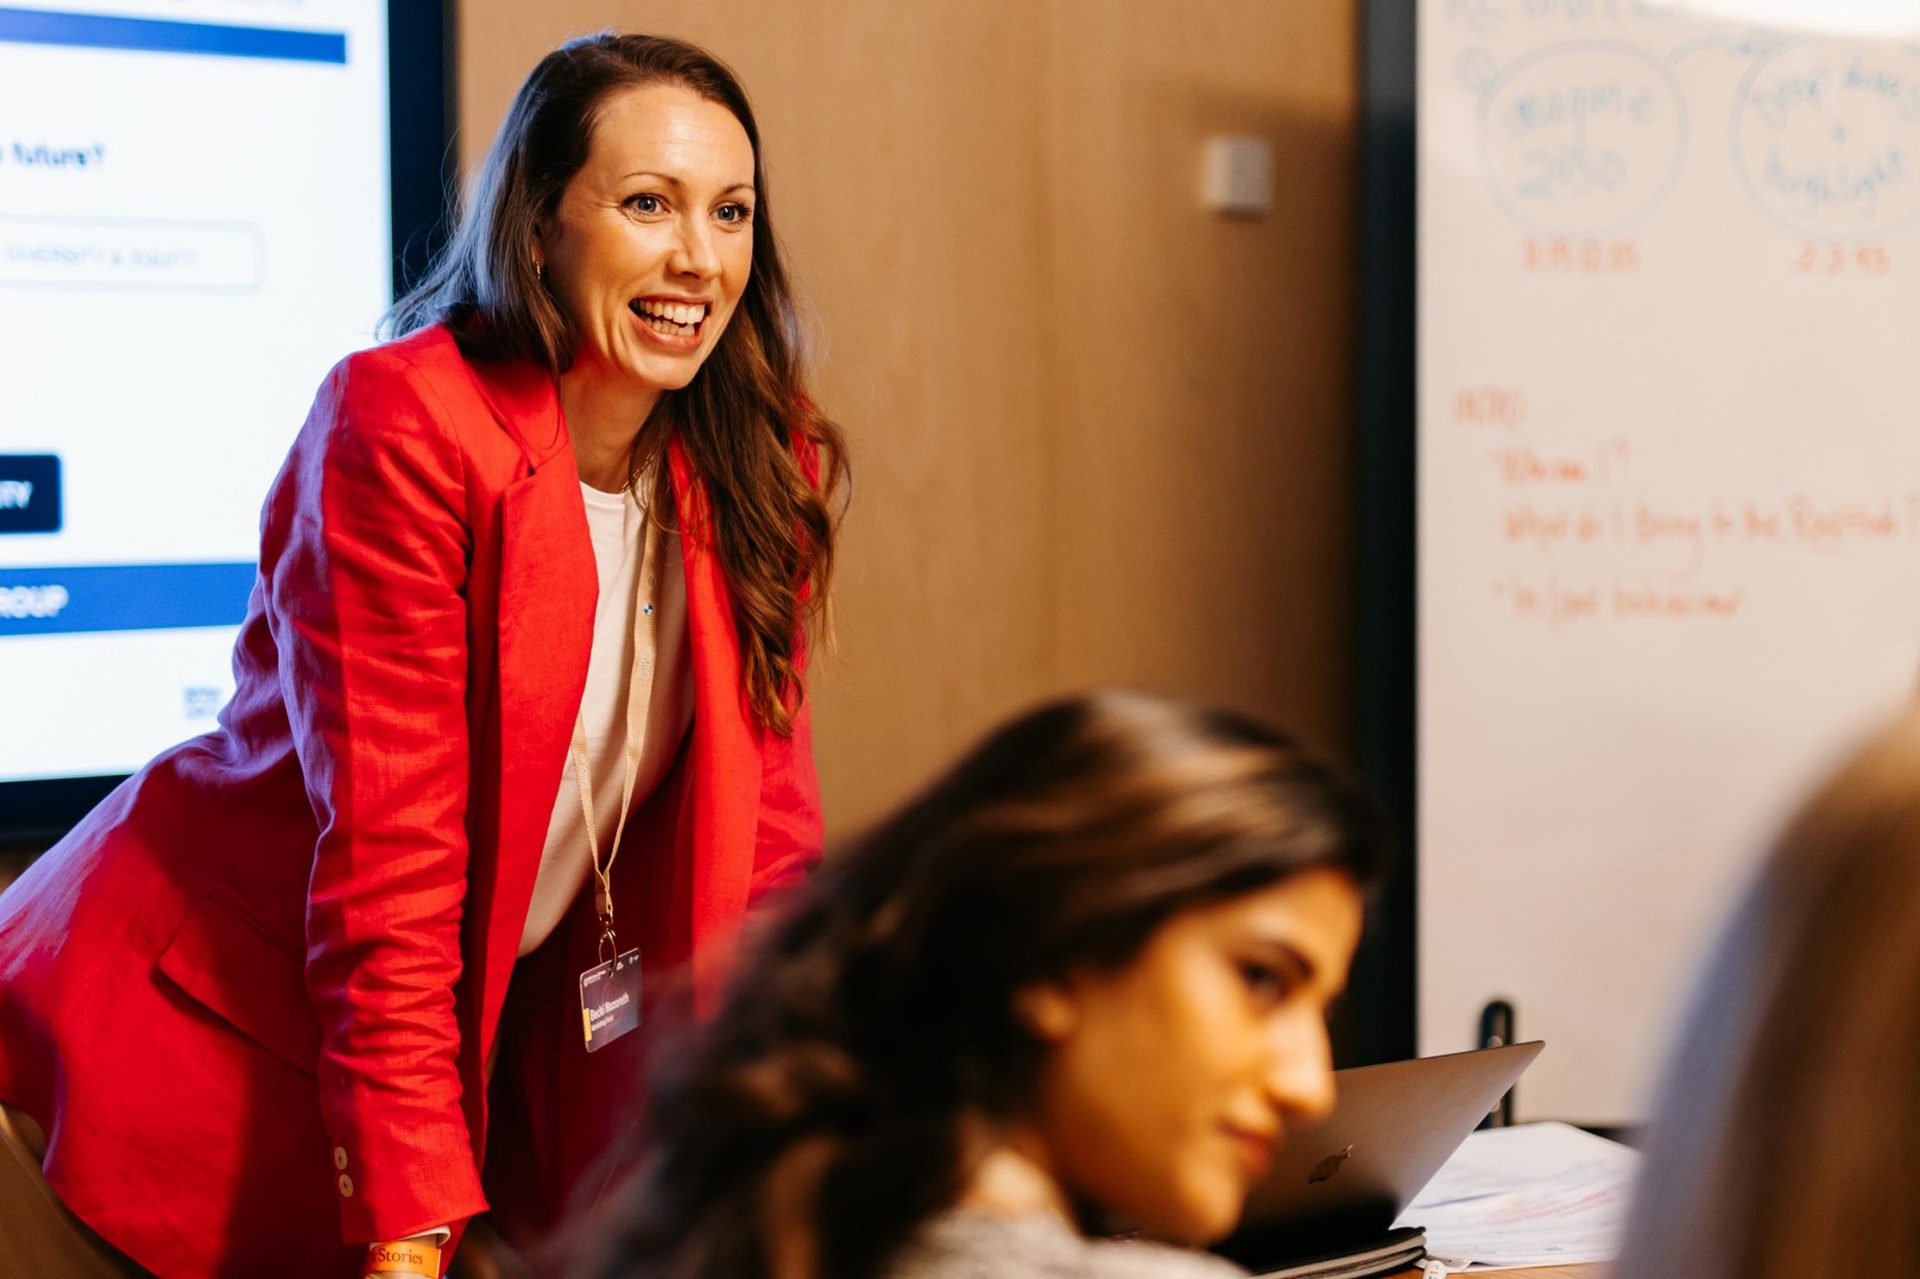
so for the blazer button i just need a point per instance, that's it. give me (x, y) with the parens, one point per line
(340, 1158)
(346, 1186)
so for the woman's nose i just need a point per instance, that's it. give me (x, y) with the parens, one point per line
(694, 254)
(1300, 1081)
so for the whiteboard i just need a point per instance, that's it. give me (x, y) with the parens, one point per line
(1669, 486)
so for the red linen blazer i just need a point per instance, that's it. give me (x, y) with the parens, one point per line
(253, 995)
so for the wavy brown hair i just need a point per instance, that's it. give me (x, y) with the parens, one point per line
(770, 464)
(823, 1113)
(1787, 1141)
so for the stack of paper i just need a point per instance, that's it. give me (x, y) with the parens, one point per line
(1535, 1195)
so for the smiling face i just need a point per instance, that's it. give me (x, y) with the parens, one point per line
(1168, 1082)
(650, 247)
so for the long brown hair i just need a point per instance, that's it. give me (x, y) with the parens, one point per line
(1787, 1141)
(770, 463)
(876, 1014)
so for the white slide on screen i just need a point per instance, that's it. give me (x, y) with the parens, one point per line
(1669, 489)
(194, 226)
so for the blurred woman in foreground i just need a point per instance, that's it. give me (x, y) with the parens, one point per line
(1079, 984)
(1788, 1138)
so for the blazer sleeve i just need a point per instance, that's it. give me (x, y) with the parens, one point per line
(365, 554)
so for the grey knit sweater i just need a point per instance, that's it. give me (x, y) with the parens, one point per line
(973, 1245)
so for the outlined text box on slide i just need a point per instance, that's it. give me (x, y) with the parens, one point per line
(130, 254)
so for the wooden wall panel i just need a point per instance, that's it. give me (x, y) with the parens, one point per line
(1202, 412)
(1099, 435)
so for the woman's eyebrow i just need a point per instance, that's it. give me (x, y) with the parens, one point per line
(1283, 954)
(677, 184)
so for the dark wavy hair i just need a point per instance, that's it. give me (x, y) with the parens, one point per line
(876, 1013)
(770, 463)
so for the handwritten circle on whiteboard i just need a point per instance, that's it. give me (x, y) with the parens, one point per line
(1582, 137)
(1477, 68)
(1826, 136)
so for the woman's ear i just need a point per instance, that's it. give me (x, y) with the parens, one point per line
(1047, 1010)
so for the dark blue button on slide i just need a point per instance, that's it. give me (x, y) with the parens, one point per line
(29, 493)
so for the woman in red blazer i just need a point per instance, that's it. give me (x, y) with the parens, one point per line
(263, 999)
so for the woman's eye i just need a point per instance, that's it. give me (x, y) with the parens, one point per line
(644, 203)
(1263, 981)
(734, 213)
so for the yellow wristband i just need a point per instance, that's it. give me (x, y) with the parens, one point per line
(403, 1259)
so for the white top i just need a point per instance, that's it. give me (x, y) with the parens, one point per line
(617, 522)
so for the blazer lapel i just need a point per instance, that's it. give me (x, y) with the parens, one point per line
(549, 588)
(527, 405)
(548, 591)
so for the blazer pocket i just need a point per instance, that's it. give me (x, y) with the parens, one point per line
(251, 979)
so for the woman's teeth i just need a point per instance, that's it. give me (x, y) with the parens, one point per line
(675, 319)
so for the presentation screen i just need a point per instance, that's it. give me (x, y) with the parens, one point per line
(196, 222)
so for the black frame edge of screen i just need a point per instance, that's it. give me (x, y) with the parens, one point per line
(421, 114)
(1378, 1022)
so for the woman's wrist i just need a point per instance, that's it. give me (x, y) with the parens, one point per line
(418, 1255)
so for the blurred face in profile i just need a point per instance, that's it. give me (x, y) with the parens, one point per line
(650, 247)
(1169, 1082)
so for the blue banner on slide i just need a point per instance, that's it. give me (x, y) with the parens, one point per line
(122, 597)
(161, 35)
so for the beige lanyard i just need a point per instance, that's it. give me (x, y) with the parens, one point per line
(639, 687)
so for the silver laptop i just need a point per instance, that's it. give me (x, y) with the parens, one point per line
(1339, 1183)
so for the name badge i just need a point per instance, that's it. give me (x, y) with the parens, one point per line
(610, 999)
